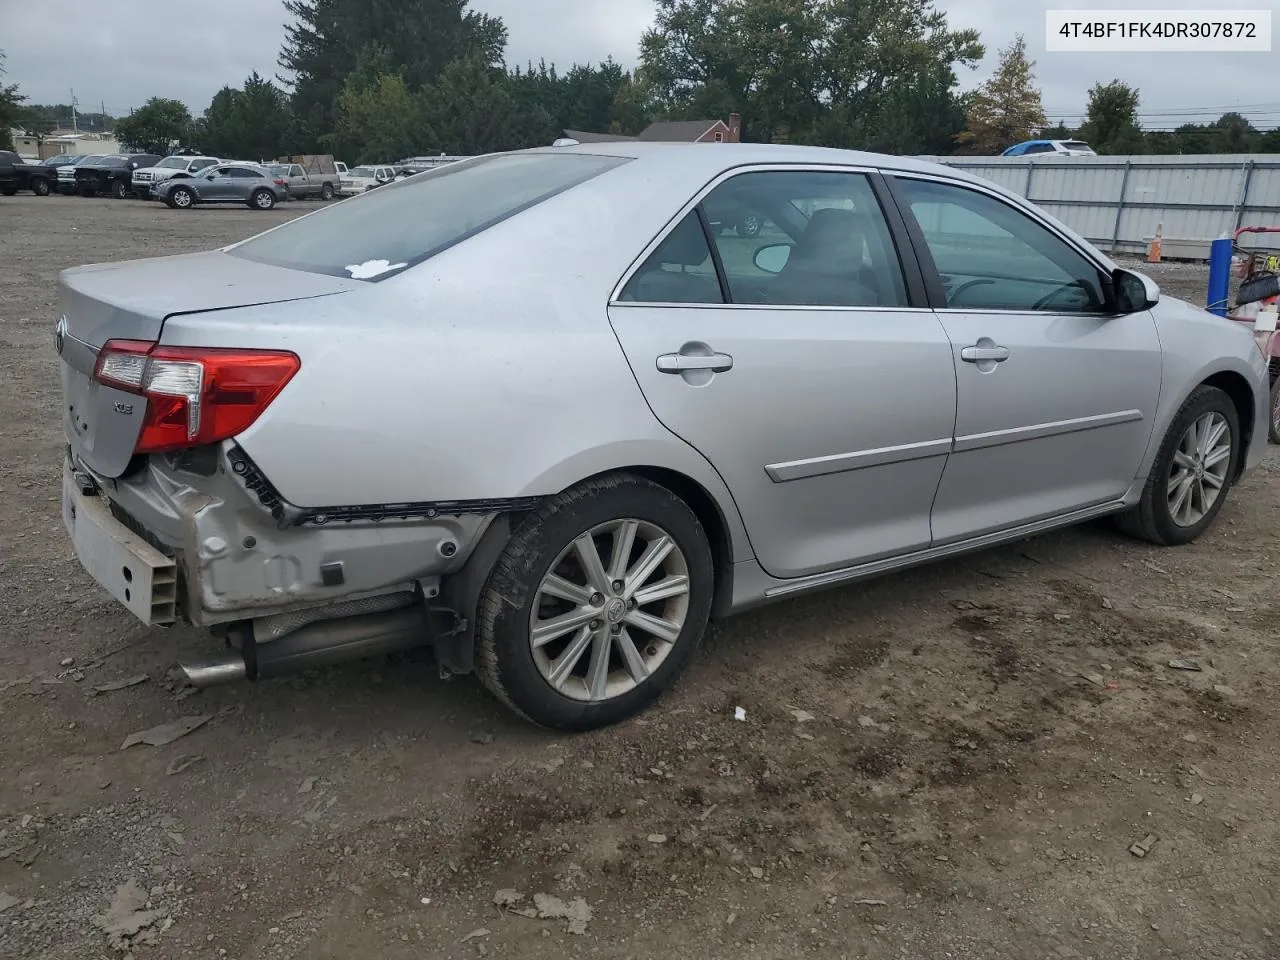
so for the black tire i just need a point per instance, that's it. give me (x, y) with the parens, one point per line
(326, 191)
(504, 656)
(1151, 519)
(40, 187)
(261, 200)
(748, 226)
(121, 190)
(9, 191)
(1273, 421)
(182, 198)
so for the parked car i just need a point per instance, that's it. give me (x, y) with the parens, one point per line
(66, 182)
(16, 174)
(112, 176)
(311, 176)
(341, 437)
(225, 183)
(365, 178)
(1063, 148)
(146, 178)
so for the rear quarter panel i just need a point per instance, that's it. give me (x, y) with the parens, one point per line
(457, 380)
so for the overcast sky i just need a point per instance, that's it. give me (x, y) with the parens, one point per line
(143, 48)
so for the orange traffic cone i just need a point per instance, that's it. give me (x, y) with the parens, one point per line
(1153, 251)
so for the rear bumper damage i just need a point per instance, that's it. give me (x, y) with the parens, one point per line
(202, 540)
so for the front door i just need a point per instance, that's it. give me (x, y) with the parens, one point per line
(786, 349)
(1056, 390)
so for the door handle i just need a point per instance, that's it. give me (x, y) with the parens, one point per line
(681, 363)
(979, 354)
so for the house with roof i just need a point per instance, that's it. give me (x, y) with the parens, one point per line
(672, 131)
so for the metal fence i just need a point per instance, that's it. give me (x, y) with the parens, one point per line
(1117, 202)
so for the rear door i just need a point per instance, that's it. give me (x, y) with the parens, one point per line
(1056, 391)
(800, 358)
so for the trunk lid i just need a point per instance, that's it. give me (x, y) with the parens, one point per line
(131, 301)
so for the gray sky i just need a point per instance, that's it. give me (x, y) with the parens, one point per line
(144, 49)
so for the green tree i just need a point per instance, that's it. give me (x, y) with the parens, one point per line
(633, 108)
(11, 111)
(250, 123)
(1111, 126)
(832, 72)
(157, 126)
(325, 40)
(376, 121)
(1235, 134)
(470, 110)
(1007, 108)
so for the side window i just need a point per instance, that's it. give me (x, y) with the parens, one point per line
(992, 256)
(1040, 148)
(805, 238)
(295, 171)
(201, 165)
(241, 173)
(680, 270)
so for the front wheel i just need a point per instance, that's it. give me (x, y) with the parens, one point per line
(120, 190)
(262, 200)
(596, 604)
(1192, 472)
(326, 192)
(181, 198)
(40, 188)
(748, 226)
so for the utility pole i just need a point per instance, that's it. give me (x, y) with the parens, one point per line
(102, 117)
(75, 124)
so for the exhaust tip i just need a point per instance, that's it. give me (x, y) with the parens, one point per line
(213, 673)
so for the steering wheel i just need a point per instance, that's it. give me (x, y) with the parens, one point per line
(953, 295)
(1045, 300)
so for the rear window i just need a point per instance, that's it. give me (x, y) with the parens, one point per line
(382, 232)
(1076, 145)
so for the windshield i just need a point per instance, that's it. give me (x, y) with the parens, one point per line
(385, 231)
(362, 172)
(174, 163)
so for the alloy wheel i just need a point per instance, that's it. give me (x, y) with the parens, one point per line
(1199, 472)
(610, 610)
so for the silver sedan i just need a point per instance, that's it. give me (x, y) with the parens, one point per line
(550, 411)
(243, 183)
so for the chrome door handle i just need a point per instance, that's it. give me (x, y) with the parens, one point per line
(681, 363)
(979, 354)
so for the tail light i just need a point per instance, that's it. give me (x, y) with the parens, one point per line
(280, 181)
(195, 395)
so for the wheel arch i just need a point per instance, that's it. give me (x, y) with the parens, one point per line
(1240, 392)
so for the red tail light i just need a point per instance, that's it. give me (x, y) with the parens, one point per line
(195, 395)
(279, 182)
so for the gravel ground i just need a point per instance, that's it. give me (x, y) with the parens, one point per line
(951, 762)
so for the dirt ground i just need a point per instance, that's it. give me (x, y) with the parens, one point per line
(948, 763)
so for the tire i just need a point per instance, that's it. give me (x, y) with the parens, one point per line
(519, 676)
(181, 198)
(262, 200)
(40, 187)
(120, 190)
(1273, 422)
(326, 192)
(748, 226)
(1152, 519)
(9, 191)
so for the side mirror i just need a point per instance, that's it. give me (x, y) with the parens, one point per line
(1134, 291)
(773, 257)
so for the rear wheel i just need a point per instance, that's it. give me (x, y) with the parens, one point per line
(596, 604)
(181, 197)
(40, 188)
(262, 200)
(1192, 472)
(326, 192)
(748, 226)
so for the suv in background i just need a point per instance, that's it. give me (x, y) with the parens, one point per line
(144, 178)
(1063, 148)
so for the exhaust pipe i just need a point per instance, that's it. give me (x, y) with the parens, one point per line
(315, 645)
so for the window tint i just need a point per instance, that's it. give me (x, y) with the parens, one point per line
(994, 257)
(201, 164)
(679, 271)
(243, 173)
(1040, 148)
(394, 227)
(830, 243)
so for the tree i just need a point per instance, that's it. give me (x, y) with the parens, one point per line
(1235, 134)
(1112, 119)
(420, 37)
(377, 120)
(250, 123)
(10, 108)
(155, 127)
(1007, 108)
(470, 110)
(832, 72)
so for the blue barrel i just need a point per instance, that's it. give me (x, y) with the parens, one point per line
(1220, 252)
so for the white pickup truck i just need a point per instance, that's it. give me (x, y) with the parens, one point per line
(166, 169)
(366, 177)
